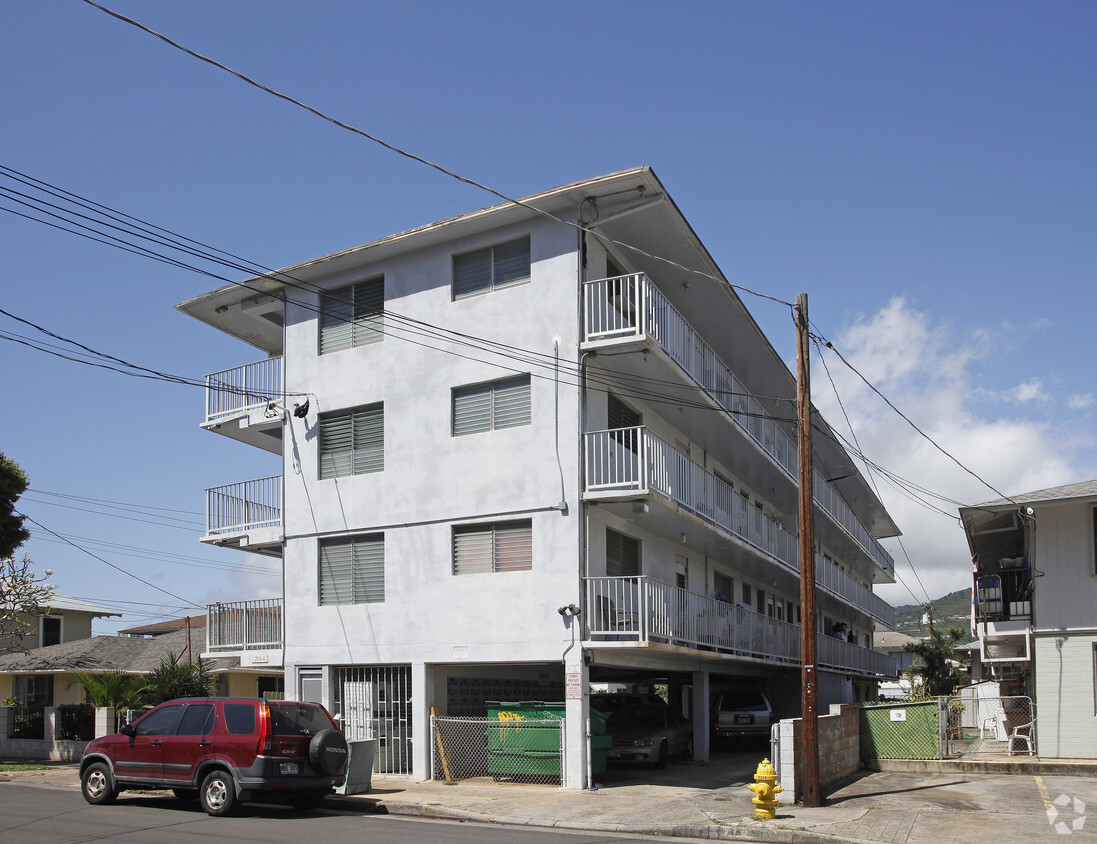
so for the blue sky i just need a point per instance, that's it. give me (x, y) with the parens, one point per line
(925, 172)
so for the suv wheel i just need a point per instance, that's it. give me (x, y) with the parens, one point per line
(96, 786)
(217, 795)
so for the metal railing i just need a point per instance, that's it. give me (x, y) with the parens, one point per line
(641, 609)
(242, 388)
(631, 306)
(244, 625)
(244, 506)
(637, 460)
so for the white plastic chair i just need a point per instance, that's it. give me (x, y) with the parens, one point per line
(1022, 733)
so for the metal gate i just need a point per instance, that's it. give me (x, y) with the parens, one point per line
(374, 702)
(989, 725)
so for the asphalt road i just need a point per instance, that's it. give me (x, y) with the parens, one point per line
(31, 815)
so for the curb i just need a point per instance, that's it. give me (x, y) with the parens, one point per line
(711, 832)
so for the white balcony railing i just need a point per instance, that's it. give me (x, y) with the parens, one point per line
(232, 392)
(642, 610)
(244, 625)
(631, 306)
(635, 460)
(247, 505)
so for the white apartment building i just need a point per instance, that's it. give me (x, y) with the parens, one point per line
(525, 449)
(1034, 593)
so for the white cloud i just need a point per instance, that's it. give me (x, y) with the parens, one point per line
(1080, 400)
(1030, 391)
(926, 370)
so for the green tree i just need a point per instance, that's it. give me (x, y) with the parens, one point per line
(174, 678)
(935, 664)
(114, 688)
(13, 483)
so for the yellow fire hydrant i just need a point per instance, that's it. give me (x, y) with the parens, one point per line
(765, 790)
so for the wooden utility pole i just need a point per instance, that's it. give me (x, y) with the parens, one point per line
(809, 676)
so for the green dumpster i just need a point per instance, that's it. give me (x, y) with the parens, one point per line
(524, 739)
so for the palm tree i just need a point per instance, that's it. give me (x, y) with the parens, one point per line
(114, 688)
(173, 678)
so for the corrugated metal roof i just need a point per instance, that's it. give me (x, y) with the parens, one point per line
(1081, 489)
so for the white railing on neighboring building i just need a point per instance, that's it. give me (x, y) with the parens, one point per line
(631, 306)
(244, 625)
(643, 610)
(247, 505)
(243, 388)
(637, 460)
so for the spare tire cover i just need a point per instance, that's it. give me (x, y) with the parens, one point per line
(328, 752)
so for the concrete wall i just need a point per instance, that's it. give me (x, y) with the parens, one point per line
(839, 751)
(1065, 689)
(433, 480)
(1066, 595)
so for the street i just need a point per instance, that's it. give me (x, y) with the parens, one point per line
(32, 815)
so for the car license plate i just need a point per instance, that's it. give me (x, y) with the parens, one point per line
(744, 719)
(287, 768)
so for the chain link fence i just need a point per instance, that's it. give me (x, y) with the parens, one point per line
(902, 731)
(983, 724)
(526, 750)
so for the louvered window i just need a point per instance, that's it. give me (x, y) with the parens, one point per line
(352, 316)
(622, 555)
(492, 268)
(352, 442)
(482, 549)
(486, 407)
(352, 570)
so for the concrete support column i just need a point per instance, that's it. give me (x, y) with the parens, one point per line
(576, 712)
(104, 721)
(700, 714)
(49, 725)
(6, 718)
(422, 699)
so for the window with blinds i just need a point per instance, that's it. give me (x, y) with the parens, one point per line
(487, 407)
(485, 549)
(352, 570)
(352, 315)
(352, 442)
(622, 555)
(723, 586)
(491, 268)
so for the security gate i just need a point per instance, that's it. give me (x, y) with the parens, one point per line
(374, 702)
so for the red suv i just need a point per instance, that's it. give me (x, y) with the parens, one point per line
(222, 751)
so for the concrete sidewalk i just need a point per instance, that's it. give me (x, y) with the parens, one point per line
(931, 807)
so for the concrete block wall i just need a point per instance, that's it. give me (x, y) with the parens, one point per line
(839, 750)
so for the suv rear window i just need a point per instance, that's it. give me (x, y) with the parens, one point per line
(240, 718)
(295, 719)
(742, 699)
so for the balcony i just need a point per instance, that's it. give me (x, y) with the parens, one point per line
(250, 630)
(639, 611)
(246, 515)
(628, 462)
(628, 308)
(245, 403)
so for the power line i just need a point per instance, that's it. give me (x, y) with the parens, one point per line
(393, 148)
(907, 419)
(106, 562)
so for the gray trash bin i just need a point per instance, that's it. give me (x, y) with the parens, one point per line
(359, 767)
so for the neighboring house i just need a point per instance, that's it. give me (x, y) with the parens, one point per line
(893, 644)
(1035, 607)
(64, 620)
(49, 670)
(516, 457)
(195, 623)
